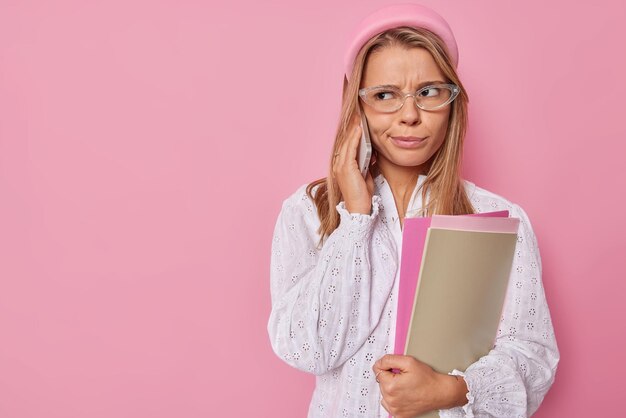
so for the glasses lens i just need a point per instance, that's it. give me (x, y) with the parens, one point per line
(433, 96)
(384, 99)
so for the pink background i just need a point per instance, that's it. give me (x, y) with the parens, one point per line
(146, 148)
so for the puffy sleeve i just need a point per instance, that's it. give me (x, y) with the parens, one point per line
(513, 378)
(327, 301)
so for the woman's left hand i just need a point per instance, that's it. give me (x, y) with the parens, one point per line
(416, 388)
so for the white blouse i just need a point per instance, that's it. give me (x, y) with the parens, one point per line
(334, 309)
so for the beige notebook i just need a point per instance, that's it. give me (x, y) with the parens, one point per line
(459, 299)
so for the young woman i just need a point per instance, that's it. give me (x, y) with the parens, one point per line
(336, 247)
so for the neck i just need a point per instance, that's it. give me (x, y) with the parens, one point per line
(401, 180)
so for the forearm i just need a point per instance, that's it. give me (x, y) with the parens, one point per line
(325, 307)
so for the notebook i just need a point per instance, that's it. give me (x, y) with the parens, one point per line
(456, 270)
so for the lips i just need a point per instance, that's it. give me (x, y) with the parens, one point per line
(407, 141)
(407, 138)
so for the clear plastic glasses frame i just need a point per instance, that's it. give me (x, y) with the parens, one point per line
(453, 88)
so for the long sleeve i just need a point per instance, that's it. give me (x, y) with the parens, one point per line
(326, 302)
(513, 378)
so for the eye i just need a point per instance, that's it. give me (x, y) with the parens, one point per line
(430, 91)
(385, 95)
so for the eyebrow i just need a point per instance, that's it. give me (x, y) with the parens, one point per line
(419, 86)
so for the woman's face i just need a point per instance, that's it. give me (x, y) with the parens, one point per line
(409, 70)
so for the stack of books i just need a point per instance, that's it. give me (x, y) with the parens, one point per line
(454, 276)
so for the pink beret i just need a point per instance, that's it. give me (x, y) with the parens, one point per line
(404, 14)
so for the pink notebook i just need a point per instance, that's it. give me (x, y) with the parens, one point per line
(413, 240)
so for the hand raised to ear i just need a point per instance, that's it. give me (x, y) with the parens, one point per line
(356, 191)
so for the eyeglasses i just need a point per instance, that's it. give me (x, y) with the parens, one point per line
(390, 99)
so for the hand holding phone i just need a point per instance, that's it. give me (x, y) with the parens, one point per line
(350, 167)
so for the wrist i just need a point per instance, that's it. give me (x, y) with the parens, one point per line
(362, 209)
(455, 391)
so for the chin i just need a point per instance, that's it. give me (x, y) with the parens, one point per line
(408, 161)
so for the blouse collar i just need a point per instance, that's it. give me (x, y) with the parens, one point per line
(415, 204)
(389, 209)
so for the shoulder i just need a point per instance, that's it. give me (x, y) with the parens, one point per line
(299, 208)
(484, 200)
(300, 199)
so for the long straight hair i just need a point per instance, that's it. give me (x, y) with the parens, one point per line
(443, 185)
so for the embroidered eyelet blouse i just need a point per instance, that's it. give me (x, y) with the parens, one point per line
(334, 307)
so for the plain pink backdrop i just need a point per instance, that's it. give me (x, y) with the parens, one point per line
(146, 148)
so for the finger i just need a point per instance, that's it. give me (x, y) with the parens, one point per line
(336, 156)
(340, 154)
(356, 119)
(343, 149)
(378, 374)
(347, 153)
(369, 180)
(353, 143)
(393, 361)
(385, 405)
(383, 377)
(378, 367)
(336, 163)
(353, 124)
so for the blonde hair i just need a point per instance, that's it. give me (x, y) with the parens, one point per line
(447, 193)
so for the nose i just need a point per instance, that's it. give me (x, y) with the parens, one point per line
(409, 112)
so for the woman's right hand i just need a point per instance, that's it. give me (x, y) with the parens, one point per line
(356, 191)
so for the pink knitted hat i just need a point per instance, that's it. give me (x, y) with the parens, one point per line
(404, 14)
